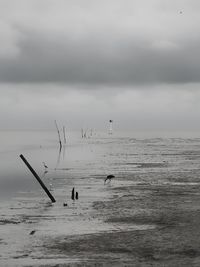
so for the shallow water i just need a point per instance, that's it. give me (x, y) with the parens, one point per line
(83, 164)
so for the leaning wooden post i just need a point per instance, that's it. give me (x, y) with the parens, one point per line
(38, 179)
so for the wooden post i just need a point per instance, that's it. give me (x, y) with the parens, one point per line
(58, 135)
(38, 179)
(72, 196)
(64, 135)
(85, 134)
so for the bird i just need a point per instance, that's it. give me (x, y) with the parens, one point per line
(50, 187)
(46, 167)
(109, 177)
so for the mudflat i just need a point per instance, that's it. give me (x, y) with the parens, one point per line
(147, 215)
(162, 223)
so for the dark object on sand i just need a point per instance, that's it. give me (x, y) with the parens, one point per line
(109, 177)
(38, 179)
(65, 204)
(72, 196)
(76, 195)
(32, 232)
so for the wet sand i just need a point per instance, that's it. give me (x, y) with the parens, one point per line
(148, 215)
(161, 228)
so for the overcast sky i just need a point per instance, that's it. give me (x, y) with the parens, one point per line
(84, 62)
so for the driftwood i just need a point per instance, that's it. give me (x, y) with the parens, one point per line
(38, 178)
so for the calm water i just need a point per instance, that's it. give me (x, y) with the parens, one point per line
(97, 156)
(83, 163)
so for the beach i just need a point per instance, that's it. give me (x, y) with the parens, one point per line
(148, 215)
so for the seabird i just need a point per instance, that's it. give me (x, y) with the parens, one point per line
(46, 167)
(109, 177)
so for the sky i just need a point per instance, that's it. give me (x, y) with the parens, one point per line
(84, 62)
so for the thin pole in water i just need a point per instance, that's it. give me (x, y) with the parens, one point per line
(58, 135)
(111, 129)
(38, 178)
(64, 134)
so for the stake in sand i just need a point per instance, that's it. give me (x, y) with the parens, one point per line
(38, 179)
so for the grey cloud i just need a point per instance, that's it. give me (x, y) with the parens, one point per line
(113, 61)
(115, 43)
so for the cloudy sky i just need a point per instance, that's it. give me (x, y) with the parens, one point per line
(84, 62)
